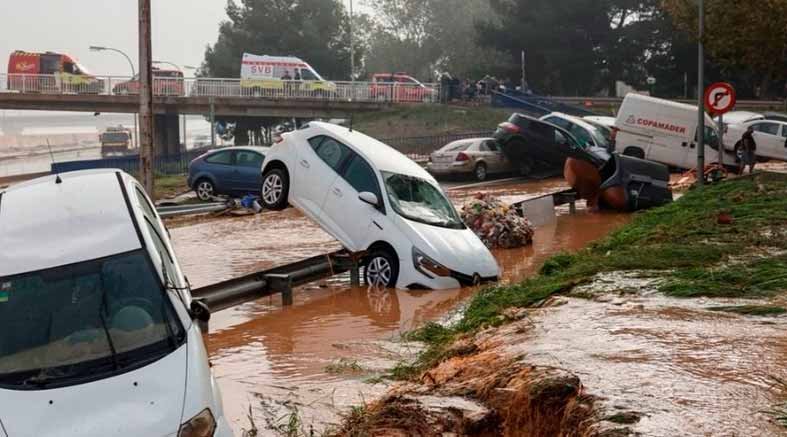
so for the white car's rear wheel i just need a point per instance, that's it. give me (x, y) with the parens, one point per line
(480, 172)
(275, 189)
(381, 269)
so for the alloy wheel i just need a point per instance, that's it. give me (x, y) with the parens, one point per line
(378, 272)
(272, 189)
(205, 190)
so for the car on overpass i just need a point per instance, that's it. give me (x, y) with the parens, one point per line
(400, 88)
(378, 203)
(234, 171)
(98, 320)
(165, 83)
(50, 72)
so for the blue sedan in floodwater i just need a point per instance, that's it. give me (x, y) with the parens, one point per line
(233, 171)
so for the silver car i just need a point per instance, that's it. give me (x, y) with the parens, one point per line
(478, 157)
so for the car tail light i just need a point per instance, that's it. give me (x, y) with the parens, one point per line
(462, 156)
(509, 127)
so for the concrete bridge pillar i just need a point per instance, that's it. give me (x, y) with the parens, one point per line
(166, 134)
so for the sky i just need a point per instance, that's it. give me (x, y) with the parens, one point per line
(181, 30)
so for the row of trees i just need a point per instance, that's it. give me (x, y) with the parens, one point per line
(572, 47)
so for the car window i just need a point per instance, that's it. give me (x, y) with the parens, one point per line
(458, 147)
(143, 202)
(168, 263)
(565, 124)
(333, 153)
(491, 146)
(767, 128)
(315, 142)
(560, 138)
(224, 158)
(581, 134)
(359, 175)
(245, 158)
(784, 130)
(308, 75)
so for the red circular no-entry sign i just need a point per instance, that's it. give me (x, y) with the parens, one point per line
(719, 98)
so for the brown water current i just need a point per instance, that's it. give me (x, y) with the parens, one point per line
(276, 359)
(687, 370)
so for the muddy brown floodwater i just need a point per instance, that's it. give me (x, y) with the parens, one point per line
(276, 359)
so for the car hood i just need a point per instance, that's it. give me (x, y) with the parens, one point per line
(458, 249)
(145, 402)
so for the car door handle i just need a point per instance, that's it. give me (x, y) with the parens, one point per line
(337, 192)
(305, 163)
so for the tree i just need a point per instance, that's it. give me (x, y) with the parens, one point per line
(316, 31)
(745, 37)
(424, 37)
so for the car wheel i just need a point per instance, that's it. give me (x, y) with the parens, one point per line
(204, 189)
(275, 189)
(480, 172)
(381, 269)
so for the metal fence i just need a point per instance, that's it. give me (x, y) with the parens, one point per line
(416, 148)
(165, 165)
(66, 84)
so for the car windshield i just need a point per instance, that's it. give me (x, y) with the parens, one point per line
(418, 200)
(91, 318)
(114, 137)
(601, 134)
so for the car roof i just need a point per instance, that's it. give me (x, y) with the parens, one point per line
(379, 154)
(45, 224)
(576, 120)
(258, 149)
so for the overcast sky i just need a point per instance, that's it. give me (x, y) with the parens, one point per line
(181, 30)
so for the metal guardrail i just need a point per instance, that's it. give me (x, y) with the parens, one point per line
(67, 84)
(615, 102)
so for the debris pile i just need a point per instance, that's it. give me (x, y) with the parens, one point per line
(497, 224)
(713, 172)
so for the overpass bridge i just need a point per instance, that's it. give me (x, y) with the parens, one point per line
(228, 98)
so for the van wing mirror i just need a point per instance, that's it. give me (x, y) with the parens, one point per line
(370, 198)
(199, 311)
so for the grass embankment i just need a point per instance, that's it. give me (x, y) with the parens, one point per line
(170, 186)
(696, 255)
(428, 120)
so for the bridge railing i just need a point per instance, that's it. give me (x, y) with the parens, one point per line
(67, 84)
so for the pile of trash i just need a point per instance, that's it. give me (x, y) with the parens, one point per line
(497, 224)
(713, 172)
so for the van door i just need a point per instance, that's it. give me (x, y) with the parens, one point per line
(346, 215)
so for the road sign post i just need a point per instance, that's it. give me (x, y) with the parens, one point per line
(719, 99)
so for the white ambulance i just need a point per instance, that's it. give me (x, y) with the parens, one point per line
(285, 75)
(664, 131)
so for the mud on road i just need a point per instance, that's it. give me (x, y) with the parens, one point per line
(326, 353)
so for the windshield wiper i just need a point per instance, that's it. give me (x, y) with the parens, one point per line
(101, 311)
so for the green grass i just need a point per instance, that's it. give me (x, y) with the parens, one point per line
(752, 310)
(682, 239)
(426, 120)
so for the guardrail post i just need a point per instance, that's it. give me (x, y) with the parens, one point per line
(355, 275)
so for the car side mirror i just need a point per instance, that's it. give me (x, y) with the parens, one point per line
(370, 198)
(199, 311)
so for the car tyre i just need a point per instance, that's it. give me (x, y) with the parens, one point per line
(381, 269)
(275, 189)
(205, 190)
(480, 172)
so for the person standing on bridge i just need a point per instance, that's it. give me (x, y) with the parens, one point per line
(748, 149)
(286, 75)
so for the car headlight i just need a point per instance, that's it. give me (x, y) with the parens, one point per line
(427, 265)
(201, 425)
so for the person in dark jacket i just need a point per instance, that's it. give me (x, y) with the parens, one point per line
(748, 149)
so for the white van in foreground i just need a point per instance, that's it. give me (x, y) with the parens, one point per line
(664, 131)
(98, 327)
(374, 199)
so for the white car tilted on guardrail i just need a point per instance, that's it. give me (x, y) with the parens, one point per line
(100, 334)
(374, 199)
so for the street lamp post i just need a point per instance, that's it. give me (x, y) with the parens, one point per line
(133, 73)
(700, 99)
